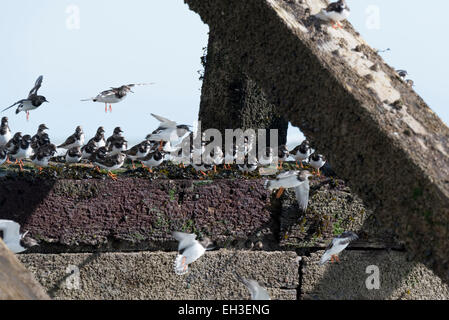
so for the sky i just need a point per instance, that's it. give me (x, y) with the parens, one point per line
(83, 47)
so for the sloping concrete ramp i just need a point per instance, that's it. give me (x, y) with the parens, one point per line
(375, 130)
(16, 282)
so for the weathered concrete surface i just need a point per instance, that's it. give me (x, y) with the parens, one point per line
(17, 283)
(230, 99)
(399, 278)
(333, 209)
(137, 214)
(150, 275)
(375, 130)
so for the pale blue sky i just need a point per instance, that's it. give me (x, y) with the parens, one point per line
(161, 41)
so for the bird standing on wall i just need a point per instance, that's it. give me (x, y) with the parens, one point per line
(23, 151)
(115, 95)
(75, 140)
(335, 12)
(5, 132)
(33, 101)
(317, 161)
(301, 153)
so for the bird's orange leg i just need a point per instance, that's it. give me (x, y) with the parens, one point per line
(40, 170)
(8, 161)
(28, 116)
(110, 108)
(204, 173)
(150, 170)
(337, 259)
(215, 169)
(113, 176)
(281, 165)
(280, 192)
(106, 107)
(134, 166)
(143, 165)
(332, 259)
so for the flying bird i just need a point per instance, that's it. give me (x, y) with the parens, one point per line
(337, 245)
(299, 180)
(256, 290)
(33, 101)
(115, 95)
(168, 131)
(12, 235)
(189, 251)
(335, 12)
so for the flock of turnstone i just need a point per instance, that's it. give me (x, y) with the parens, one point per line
(110, 154)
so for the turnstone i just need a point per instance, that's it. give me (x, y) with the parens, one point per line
(98, 141)
(115, 95)
(117, 134)
(267, 158)
(12, 235)
(301, 153)
(337, 245)
(217, 157)
(24, 151)
(37, 137)
(33, 101)
(168, 131)
(5, 132)
(13, 144)
(73, 155)
(43, 155)
(257, 291)
(139, 151)
(299, 180)
(75, 140)
(111, 163)
(3, 155)
(40, 142)
(88, 150)
(335, 12)
(99, 154)
(118, 146)
(202, 167)
(189, 251)
(402, 73)
(152, 159)
(317, 161)
(283, 155)
(248, 166)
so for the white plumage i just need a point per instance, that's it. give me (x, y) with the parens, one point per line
(12, 235)
(257, 292)
(189, 249)
(338, 245)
